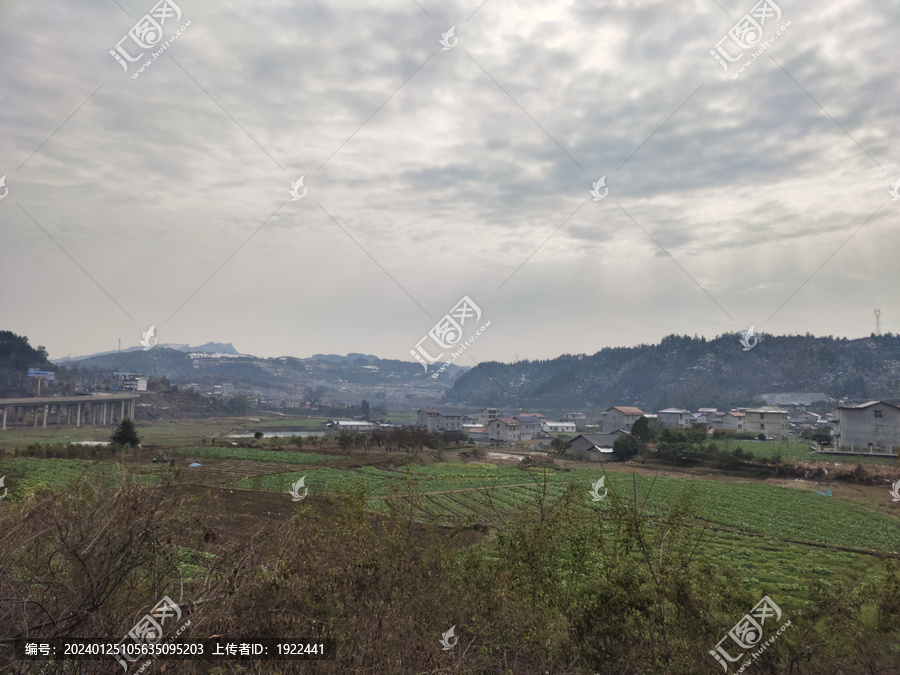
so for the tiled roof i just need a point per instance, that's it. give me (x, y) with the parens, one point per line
(867, 405)
(627, 410)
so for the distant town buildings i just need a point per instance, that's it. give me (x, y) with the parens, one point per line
(128, 382)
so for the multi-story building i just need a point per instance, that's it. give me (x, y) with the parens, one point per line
(504, 429)
(768, 420)
(730, 421)
(429, 419)
(488, 414)
(451, 422)
(675, 417)
(875, 424)
(435, 421)
(529, 426)
(619, 417)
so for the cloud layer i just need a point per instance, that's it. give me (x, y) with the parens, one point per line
(436, 173)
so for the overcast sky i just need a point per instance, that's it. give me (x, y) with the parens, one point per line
(433, 174)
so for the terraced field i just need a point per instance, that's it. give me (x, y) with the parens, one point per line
(454, 493)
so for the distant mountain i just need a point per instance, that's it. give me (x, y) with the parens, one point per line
(691, 372)
(337, 358)
(209, 347)
(326, 377)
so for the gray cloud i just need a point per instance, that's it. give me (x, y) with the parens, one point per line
(458, 176)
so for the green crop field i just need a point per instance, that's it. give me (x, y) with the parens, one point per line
(793, 450)
(154, 434)
(775, 539)
(478, 492)
(749, 523)
(252, 454)
(313, 422)
(25, 475)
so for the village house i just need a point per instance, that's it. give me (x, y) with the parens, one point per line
(619, 417)
(488, 414)
(706, 415)
(476, 433)
(352, 425)
(597, 447)
(530, 426)
(768, 420)
(675, 417)
(451, 422)
(504, 429)
(730, 421)
(559, 427)
(875, 424)
(429, 419)
(435, 421)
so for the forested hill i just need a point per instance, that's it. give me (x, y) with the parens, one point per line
(689, 373)
(16, 357)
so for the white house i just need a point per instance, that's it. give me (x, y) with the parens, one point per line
(559, 427)
(353, 425)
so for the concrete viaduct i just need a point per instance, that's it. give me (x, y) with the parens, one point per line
(71, 410)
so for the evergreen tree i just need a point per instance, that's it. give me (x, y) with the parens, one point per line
(125, 434)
